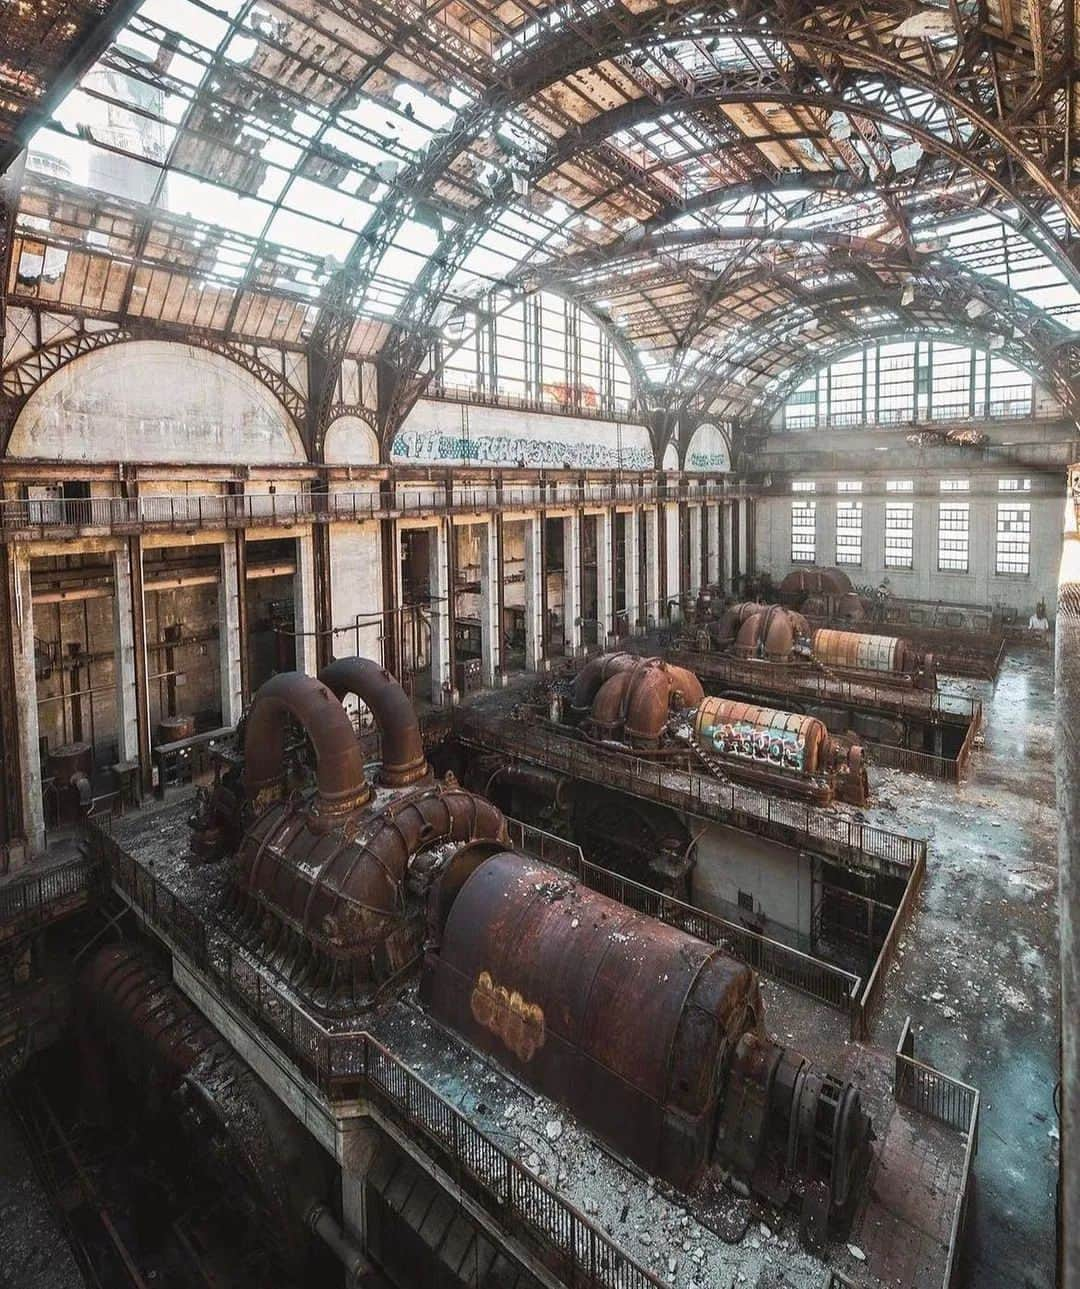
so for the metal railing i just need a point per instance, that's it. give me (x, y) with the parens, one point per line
(578, 1249)
(31, 896)
(875, 983)
(788, 678)
(216, 510)
(920, 1087)
(792, 822)
(831, 985)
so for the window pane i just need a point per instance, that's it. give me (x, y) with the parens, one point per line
(803, 531)
(1014, 538)
(953, 537)
(849, 532)
(899, 530)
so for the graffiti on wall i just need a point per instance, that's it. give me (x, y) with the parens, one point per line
(777, 747)
(432, 446)
(709, 451)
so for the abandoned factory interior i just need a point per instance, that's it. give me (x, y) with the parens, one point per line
(539, 644)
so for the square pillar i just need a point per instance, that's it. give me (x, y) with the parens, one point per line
(693, 517)
(572, 583)
(490, 635)
(712, 523)
(229, 636)
(744, 536)
(652, 566)
(728, 527)
(441, 591)
(605, 607)
(672, 591)
(127, 689)
(25, 701)
(534, 601)
(307, 659)
(633, 617)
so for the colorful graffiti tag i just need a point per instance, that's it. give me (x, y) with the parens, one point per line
(785, 748)
(513, 450)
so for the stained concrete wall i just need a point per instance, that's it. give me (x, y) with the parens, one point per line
(152, 400)
(780, 880)
(980, 585)
(356, 589)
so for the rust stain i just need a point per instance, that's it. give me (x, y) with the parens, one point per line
(505, 1013)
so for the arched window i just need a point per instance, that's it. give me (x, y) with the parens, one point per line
(901, 381)
(537, 350)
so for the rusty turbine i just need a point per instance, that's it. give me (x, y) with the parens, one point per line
(319, 876)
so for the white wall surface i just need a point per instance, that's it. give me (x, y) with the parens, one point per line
(780, 879)
(980, 585)
(455, 434)
(350, 441)
(154, 401)
(356, 589)
(709, 451)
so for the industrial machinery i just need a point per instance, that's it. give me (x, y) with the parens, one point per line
(652, 1038)
(329, 868)
(771, 633)
(151, 1055)
(658, 711)
(823, 593)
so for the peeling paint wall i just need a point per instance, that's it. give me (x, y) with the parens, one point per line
(150, 400)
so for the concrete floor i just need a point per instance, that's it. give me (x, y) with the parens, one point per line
(978, 972)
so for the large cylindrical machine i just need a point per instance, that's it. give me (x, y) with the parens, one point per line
(651, 1037)
(852, 651)
(787, 744)
(149, 1053)
(322, 873)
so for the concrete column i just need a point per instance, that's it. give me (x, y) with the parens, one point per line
(572, 582)
(490, 634)
(744, 536)
(229, 637)
(713, 557)
(356, 590)
(534, 602)
(652, 565)
(693, 516)
(25, 699)
(441, 591)
(127, 690)
(671, 591)
(633, 537)
(307, 655)
(604, 607)
(726, 567)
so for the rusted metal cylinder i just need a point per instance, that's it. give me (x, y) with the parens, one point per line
(70, 759)
(785, 740)
(594, 673)
(857, 651)
(172, 729)
(342, 891)
(771, 633)
(634, 705)
(342, 786)
(146, 1047)
(403, 760)
(625, 1020)
(814, 581)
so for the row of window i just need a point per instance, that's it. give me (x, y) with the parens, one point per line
(908, 485)
(1013, 546)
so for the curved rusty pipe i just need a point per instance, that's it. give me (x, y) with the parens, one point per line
(595, 673)
(350, 901)
(402, 746)
(637, 703)
(339, 775)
